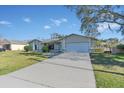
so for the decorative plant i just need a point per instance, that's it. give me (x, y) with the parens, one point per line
(28, 48)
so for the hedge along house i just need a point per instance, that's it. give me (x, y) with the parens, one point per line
(70, 43)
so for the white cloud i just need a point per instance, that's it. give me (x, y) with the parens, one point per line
(2, 22)
(27, 20)
(64, 20)
(47, 27)
(104, 26)
(58, 22)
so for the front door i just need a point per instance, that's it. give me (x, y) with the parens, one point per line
(35, 47)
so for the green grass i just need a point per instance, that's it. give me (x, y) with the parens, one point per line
(13, 60)
(109, 70)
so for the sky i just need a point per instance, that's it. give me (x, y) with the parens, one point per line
(39, 22)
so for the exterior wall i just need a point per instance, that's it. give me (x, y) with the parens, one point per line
(57, 46)
(17, 47)
(93, 43)
(74, 38)
(63, 45)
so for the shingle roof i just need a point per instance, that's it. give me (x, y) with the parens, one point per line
(34, 40)
(4, 41)
(58, 39)
(81, 36)
(50, 40)
(18, 42)
(54, 40)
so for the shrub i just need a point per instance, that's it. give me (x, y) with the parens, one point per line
(28, 48)
(36, 53)
(45, 48)
(99, 50)
(120, 46)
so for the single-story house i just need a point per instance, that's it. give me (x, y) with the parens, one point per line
(15, 45)
(36, 45)
(70, 43)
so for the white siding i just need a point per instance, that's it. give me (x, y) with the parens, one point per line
(17, 47)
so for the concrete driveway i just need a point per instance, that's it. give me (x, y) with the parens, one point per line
(67, 70)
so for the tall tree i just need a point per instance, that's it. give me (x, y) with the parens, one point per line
(99, 43)
(92, 16)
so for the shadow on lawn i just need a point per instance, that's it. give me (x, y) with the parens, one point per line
(32, 54)
(106, 59)
(35, 59)
(110, 72)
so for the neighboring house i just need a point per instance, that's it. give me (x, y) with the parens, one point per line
(15, 45)
(3, 42)
(71, 43)
(36, 45)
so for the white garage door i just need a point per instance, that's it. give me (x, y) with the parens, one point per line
(77, 47)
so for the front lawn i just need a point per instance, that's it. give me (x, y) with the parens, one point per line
(13, 60)
(109, 70)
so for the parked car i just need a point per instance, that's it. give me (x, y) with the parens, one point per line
(2, 49)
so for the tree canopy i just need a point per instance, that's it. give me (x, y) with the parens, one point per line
(56, 36)
(92, 16)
